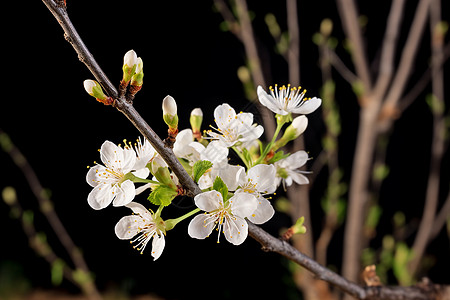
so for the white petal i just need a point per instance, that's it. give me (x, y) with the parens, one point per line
(264, 178)
(252, 134)
(231, 175)
(235, 230)
(268, 101)
(125, 193)
(223, 115)
(101, 196)
(184, 138)
(209, 201)
(199, 227)
(298, 178)
(308, 106)
(296, 160)
(143, 188)
(141, 173)
(91, 177)
(215, 152)
(263, 213)
(140, 209)
(109, 152)
(128, 227)
(243, 204)
(158, 244)
(129, 160)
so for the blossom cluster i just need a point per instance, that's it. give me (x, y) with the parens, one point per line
(232, 193)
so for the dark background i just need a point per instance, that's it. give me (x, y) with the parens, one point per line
(59, 128)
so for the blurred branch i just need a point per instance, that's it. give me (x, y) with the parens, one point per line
(349, 17)
(47, 209)
(244, 32)
(269, 242)
(386, 68)
(293, 52)
(438, 139)
(408, 55)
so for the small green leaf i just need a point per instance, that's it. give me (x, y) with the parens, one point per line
(162, 195)
(57, 272)
(200, 167)
(221, 187)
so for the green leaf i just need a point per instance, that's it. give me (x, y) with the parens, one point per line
(200, 167)
(221, 187)
(162, 195)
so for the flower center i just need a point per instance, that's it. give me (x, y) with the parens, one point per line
(286, 95)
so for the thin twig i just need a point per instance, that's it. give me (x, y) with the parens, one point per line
(408, 54)
(349, 16)
(386, 68)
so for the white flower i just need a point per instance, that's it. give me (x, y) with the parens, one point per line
(285, 100)
(287, 169)
(143, 225)
(228, 216)
(109, 181)
(259, 181)
(234, 128)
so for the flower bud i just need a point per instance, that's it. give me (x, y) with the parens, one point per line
(196, 120)
(94, 89)
(293, 131)
(130, 61)
(169, 107)
(137, 78)
(161, 172)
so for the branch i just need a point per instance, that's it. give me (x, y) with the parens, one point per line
(46, 207)
(269, 242)
(408, 55)
(388, 50)
(349, 16)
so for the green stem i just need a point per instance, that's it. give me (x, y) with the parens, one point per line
(242, 157)
(170, 224)
(132, 177)
(269, 146)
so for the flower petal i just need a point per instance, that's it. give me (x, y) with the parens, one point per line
(264, 178)
(180, 147)
(109, 152)
(199, 227)
(296, 160)
(231, 175)
(235, 230)
(263, 213)
(140, 209)
(268, 101)
(298, 178)
(101, 196)
(124, 193)
(128, 227)
(307, 106)
(158, 244)
(91, 177)
(223, 115)
(243, 204)
(209, 201)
